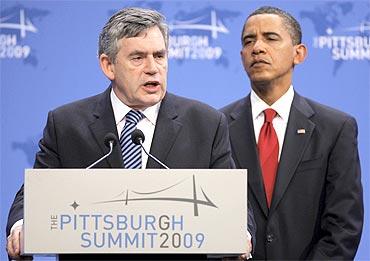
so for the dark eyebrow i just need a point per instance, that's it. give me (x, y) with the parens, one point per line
(266, 34)
(137, 52)
(160, 52)
(140, 53)
(249, 36)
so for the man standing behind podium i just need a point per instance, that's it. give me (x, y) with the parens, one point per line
(180, 132)
(304, 173)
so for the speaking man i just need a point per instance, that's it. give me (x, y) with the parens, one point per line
(181, 133)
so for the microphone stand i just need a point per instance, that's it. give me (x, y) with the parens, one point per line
(151, 156)
(111, 144)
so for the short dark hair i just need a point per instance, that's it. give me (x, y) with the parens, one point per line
(290, 23)
(126, 23)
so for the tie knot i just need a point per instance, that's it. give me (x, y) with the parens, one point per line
(134, 116)
(269, 115)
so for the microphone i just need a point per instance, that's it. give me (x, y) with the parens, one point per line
(138, 137)
(110, 140)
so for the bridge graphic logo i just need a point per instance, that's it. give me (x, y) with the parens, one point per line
(129, 196)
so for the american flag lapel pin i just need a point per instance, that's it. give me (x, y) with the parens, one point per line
(301, 131)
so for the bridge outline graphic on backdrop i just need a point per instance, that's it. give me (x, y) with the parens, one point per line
(216, 26)
(194, 200)
(25, 24)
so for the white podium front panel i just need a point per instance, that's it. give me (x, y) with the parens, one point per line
(135, 211)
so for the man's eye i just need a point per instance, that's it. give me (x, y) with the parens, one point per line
(247, 42)
(160, 56)
(137, 58)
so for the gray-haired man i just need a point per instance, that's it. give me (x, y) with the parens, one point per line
(180, 132)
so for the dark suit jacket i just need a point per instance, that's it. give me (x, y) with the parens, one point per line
(317, 205)
(188, 134)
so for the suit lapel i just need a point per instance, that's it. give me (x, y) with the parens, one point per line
(294, 146)
(166, 131)
(103, 123)
(244, 146)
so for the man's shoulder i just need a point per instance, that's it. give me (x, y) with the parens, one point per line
(234, 106)
(326, 112)
(84, 104)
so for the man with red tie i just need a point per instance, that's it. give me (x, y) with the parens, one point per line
(304, 180)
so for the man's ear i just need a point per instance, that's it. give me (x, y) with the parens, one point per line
(300, 53)
(107, 66)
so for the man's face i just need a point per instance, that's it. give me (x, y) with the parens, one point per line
(139, 75)
(268, 53)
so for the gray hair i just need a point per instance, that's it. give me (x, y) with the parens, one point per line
(126, 23)
(290, 23)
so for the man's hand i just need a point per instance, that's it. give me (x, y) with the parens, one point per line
(247, 254)
(242, 257)
(13, 245)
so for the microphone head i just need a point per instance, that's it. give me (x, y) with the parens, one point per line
(137, 137)
(108, 138)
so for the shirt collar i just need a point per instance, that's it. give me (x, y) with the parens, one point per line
(281, 106)
(120, 110)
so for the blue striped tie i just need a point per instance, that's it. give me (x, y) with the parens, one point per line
(131, 153)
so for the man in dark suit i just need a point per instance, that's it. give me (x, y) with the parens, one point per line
(180, 132)
(304, 181)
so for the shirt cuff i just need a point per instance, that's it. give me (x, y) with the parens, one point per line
(16, 224)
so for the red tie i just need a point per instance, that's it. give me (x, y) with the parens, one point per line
(268, 150)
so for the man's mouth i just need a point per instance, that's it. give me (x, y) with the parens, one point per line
(151, 83)
(257, 62)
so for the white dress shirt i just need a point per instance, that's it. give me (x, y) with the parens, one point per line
(146, 125)
(280, 122)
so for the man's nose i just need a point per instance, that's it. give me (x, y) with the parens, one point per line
(151, 66)
(259, 47)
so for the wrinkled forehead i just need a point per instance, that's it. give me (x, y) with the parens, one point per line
(152, 36)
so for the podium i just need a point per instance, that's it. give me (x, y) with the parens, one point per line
(135, 211)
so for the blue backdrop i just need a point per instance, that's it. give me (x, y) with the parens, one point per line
(48, 58)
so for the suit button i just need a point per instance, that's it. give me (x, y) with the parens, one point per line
(270, 238)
